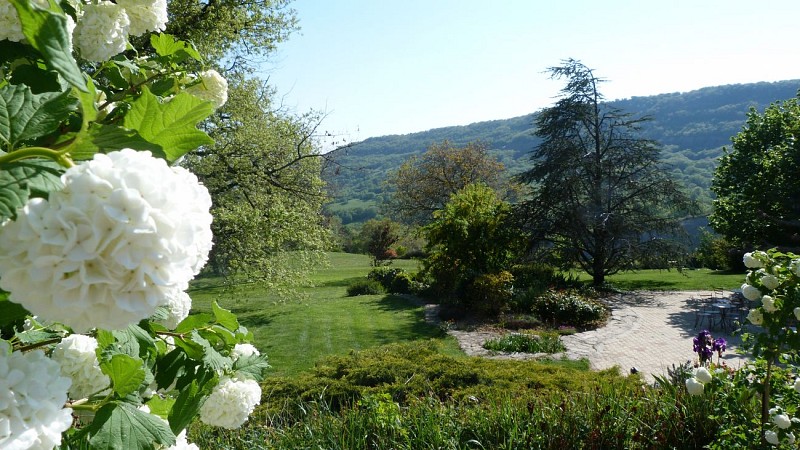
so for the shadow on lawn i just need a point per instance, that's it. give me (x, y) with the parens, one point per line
(644, 285)
(418, 328)
(344, 282)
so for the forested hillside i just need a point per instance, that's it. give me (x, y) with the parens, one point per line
(692, 127)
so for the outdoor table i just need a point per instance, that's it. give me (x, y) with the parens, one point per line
(723, 307)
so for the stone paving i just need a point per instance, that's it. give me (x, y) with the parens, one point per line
(650, 331)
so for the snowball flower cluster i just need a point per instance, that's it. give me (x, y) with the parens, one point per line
(145, 15)
(230, 403)
(76, 354)
(102, 31)
(178, 305)
(10, 27)
(240, 350)
(106, 250)
(212, 88)
(753, 260)
(697, 382)
(755, 316)
(32, 397)
(750, 292)
(770, 281)
(768, 303)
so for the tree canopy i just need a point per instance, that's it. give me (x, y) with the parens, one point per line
(424, 184)
(756, 182)
(601, 197)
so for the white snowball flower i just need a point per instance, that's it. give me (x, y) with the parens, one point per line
(755, 316)
(107, 249)
(240, 350)
(10, 26)
(76, 354)
(772, 437)
(751, 261)
(178, 307)
(212, 88)
(102, 31)
(790, 438)
(145, 15)
(694, 387)
(230, 403)
(770, 281)
(782, 421)
(794, 266)
(702, 374)
(32, 397)
(797, 385)
(182, 444)
(750, 292)
(768, 303)
(797, 313)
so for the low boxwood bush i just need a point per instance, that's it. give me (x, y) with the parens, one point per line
(364, 287)
(569, 308)
(543, 342)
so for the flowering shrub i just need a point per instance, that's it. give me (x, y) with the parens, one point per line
(774, 281)
(100, 235)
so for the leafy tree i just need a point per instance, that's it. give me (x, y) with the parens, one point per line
(424, 184)
(264, 178)
(378, 236)
(601, 197)
(471, 236)
(756, 182)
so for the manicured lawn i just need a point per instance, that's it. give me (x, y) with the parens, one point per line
(297, 332)
(673, 280)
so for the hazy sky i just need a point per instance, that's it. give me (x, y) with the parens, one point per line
(393, 67)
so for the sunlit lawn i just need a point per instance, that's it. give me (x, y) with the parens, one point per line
(673, 280)
(297, 332)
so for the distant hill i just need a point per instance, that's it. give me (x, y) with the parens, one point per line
(692, 127)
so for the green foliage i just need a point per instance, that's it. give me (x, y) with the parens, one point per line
(756, 182)
(601, 198)
(471, 236)
(568, 308)
(542, 342)
(490, 293)
(263, 177)
(365, 287)
(713, 252)
(378, 237)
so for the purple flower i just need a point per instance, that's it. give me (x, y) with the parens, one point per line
(719, 346)
(705, 345)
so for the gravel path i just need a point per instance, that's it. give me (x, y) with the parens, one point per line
(650, 331)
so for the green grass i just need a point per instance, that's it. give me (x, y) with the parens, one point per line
(673, 280)
(295, 333)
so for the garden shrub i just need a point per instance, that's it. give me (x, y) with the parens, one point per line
(489, 294)
(568, 308)
(544, 342)
(384, 275)
(364, 287)
(403, 283)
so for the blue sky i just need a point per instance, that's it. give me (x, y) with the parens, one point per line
(393, 67)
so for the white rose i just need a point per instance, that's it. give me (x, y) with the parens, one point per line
(782, 421)
(76, 354)
(750, 292)
(770, 281)
(694, 386)
(145, 15)
(102, 31)
(771, 437)
(212, 88)
(768, 303)
(230, 403)
(755, 316)
(32, 398)
(751, 262)
(107, 250)
(702, 374)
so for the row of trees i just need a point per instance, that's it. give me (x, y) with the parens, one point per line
(598, 195)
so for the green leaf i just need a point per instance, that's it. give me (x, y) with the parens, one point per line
(224, 317)
(19, 180)
(38, 79)
(104, 338)
(47, 32)
(10, 312)
(32, 336)
(194, 321)
(160, 406)
(120, 426)
(107, 138)
(252, 366)
(172, 125)
(170, 366)
(211, 357)
(166, 45)
(126, 373)
(188, 403)
(27, 116)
